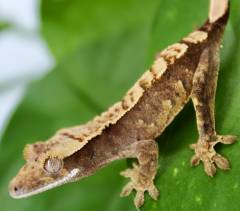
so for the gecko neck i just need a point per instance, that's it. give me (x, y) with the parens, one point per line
(97, 154)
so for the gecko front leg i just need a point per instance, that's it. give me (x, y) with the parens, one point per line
(142, 174)
(203, 97)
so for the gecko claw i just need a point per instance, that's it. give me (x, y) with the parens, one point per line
(205, 152)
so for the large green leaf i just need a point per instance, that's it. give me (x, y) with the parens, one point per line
(102, 47)
(68, 25)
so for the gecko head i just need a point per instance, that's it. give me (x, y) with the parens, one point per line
(33, 179)
(46, 167)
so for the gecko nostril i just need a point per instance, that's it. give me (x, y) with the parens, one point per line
(15, 188)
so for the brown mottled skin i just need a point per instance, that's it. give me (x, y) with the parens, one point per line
(191, 76)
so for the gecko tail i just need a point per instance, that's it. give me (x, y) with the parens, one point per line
(218, 9)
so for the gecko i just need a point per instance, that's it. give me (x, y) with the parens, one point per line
(184, 71)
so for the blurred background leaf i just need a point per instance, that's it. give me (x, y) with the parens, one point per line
(4, 25)
(101, 48)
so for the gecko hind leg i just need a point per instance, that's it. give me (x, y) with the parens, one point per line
(142, 174)
(203, 97)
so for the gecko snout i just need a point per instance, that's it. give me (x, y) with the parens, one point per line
(15, 191)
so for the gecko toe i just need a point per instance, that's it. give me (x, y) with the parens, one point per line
(139, 198)
(192, 146)
(226, 139)
(127, 173)
(221, 162)
(153, 192)
(127, 189)
(195, 160)
(209, 168)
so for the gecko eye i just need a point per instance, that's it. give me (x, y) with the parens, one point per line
(53, 165)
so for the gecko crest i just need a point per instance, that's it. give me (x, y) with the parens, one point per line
(174, 52)
(196, 37)
(159, 67)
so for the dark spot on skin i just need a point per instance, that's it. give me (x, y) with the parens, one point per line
(143, 84)
(92, 155)
(110, 115)
(96, 129)
(206, 126)
(177, 50)
(15, 189)
(131, 93)
(73, 137)
(99, 120)
(124, 106)
(198, 108)
(84, 134)
(153, 72)
(55, 143)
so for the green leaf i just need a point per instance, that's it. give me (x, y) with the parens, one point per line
(101, 48)
(70, 25)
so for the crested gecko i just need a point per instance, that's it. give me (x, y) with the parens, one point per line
(184, 71)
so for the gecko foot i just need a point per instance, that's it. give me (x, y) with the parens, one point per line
(140, 183)
(205, 152)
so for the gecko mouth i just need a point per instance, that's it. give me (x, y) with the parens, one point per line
(18, 193)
